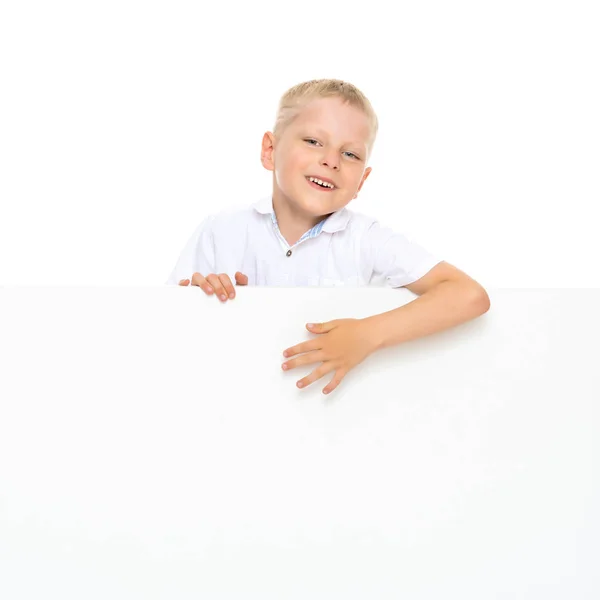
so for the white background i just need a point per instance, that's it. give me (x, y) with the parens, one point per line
(123, 124)
(464, 463)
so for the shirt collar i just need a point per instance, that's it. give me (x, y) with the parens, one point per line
(335, 222)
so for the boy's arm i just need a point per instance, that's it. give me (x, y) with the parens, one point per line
(447, 297)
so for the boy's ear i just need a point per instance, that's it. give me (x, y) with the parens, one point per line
(364, 178)
(267, 149)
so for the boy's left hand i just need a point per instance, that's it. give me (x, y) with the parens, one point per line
(341, 345)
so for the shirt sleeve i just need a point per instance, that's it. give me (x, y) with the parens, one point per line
(197, 256)
(396, 259)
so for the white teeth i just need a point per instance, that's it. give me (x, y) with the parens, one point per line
(323, 183)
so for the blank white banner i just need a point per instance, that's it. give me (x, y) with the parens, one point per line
(152, 447)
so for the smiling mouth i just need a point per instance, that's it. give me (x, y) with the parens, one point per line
(318, 186)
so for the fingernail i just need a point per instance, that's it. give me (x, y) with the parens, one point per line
(223, 297)
(231, 295)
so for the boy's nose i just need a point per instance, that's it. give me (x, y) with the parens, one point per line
(331, 160)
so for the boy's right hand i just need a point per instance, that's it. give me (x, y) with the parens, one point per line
(219, 284)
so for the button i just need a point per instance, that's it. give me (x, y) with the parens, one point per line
(288, 253)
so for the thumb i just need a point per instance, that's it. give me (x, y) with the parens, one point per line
(241, 279)
(321, 327)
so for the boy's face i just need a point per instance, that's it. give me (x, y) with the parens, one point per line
(327, 140)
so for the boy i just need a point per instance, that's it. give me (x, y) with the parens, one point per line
(302, 235)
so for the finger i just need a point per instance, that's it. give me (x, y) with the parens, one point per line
(316, 374)
(184, 282)
(316, 344)
(200, 281)
(217, 286)
(229, 290)
(241, 279)
(305, 359)
(339, 375)
(322, 327)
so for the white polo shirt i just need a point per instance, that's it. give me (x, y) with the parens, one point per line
(347, 248)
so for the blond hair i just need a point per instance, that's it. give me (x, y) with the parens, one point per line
(298, 96)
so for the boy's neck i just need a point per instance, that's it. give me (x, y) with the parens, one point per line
(293, 225)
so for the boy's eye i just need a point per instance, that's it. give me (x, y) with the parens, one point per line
(309, 140)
